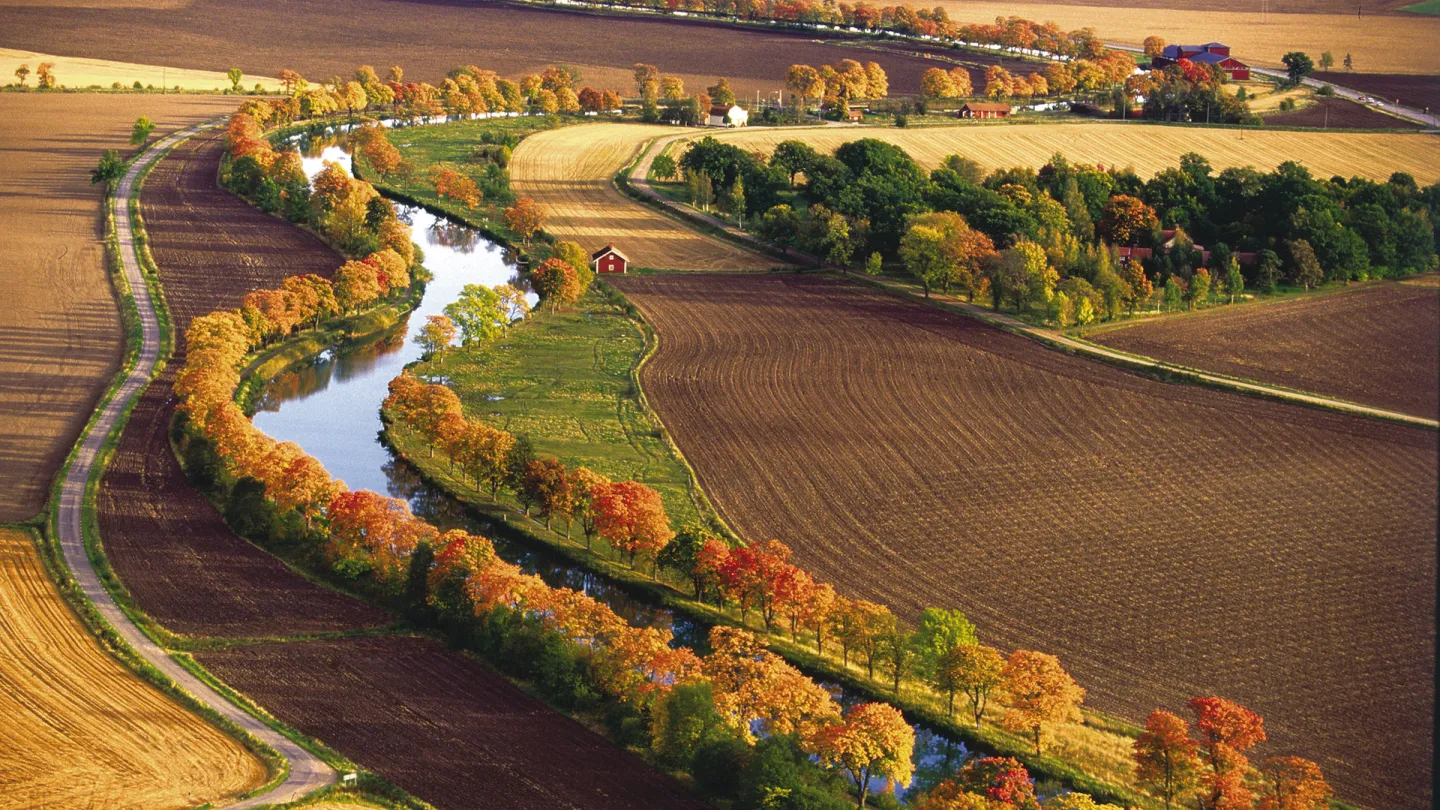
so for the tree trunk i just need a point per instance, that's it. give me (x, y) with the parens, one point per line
(864, 788)
(951, 711)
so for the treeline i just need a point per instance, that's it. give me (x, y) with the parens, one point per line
(1074, 241)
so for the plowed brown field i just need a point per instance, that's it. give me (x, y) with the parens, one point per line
(168, 544)
(428, 38)
(1143, 147)
(80, 729)
(1377, 344)
(1164, 540)
(569, 172)
(60, 326)
(443, 727)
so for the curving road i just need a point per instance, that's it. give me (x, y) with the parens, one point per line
(307, 772)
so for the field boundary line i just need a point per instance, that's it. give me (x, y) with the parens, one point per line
(306, 773)
(1055, 340)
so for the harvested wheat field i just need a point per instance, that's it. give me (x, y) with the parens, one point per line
(1164, 541)
(1375, 344)
(167, 543)
(61, 325)
(569, 171)
(1378, 43)
(443, 727)
(428, 38)
(80, 729)
(73, 71)
(1147, 148)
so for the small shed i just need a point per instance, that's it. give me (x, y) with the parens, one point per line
(984, 109)
(732, 116)
(855, 114)
(609, 259)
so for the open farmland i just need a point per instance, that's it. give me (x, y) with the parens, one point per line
(1164, 540)
(60, 326)
(442, 726)
(428, 38)
(1378, 344)
(569, 171)
(80, 729)
(1146, 148)
(1379, 43)
(1414, 91)
(1337, 113)
(168, 544)
(71, 71)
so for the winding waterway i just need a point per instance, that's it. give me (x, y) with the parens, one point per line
(331, 408)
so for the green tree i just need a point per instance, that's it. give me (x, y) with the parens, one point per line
(874, 265)
(1234, 280)
(1174, 294)
(682, 554)
(664, 167)
(684, 722)
(1327, 60)
(1298, 65)
(1199, 288)
(235, 76)
(721, 94)
(111, 168)
(941, 631)
(478, 313)
(1304, 265)
(1267, 270)
(735, 201)
(140, 133)
(922, 251)
(976, 671)
(793, 157)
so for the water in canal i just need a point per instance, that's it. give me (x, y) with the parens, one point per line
(331, 408)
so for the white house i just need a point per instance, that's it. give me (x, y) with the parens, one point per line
(732, 116)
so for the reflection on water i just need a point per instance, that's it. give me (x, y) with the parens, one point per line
(331, 408)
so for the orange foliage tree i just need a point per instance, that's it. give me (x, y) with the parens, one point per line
(524, 218)
(1042, 694)
(873, 741)
(1165, 758)
(631, 516)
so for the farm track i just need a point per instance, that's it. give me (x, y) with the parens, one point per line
(81, 730)
(1378, 344)
(1163, 540)
(60, 325)
(570, 172)
(449, 730)
(1143, 147)
(180, 560)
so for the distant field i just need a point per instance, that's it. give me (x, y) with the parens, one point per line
(1379, 43)
(1163, 540)
(1146, 148)
(563, 378)
(73, 71)
(1413, 91)
(1338, 113)
(60, 325)
(81, 730)
(569, 171)
(1376, 344)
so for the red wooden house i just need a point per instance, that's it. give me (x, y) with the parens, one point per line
(983, 109)
(609, 260)
(1211, 53)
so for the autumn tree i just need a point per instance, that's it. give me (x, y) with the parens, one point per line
(1227, 730)
(720, 93)
(941, 249)
(588, 484)
(524, 218)
(1154, 46)
(45, 75)
(632, 517)
(1000, 779)
(450, 182)
(1125, 220)
(873, 741)
(645, 76)
(478, 314)
(936, 83)
(556, 282)
(805, 82)
(356, 284)
(1138, 286)
(436, 335)
(22, 73)
(549, 484)
(1165, 758)
(1292, 783)
(961, 85)
(1041, 694)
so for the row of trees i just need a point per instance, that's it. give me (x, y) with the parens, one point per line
(44, 75)
(1089, 76)
(1023, 234)
(835, 86)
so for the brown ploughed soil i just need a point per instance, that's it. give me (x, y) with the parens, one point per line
(1338, 113)
(1413, 91)
(60, 325)
(1165, 541)
(442, 727)
(1375, 344)
(80, 729)
(429, 37)
(167, 543)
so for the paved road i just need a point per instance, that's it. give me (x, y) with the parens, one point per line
(638, 178)
(307, 773)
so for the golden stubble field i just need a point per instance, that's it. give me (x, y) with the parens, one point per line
(1145, 148)
(1378, 43)
(60, 325)
(80, 729)
(569, 171)
(74, 71)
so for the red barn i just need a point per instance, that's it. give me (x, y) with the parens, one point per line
(609, 260)
(1211, 53)
(983, 109)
